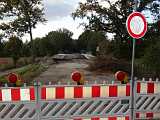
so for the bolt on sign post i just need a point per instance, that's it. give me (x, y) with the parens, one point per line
(136, 26)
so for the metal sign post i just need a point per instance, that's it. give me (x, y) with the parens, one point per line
(136, 26)
(133, 82)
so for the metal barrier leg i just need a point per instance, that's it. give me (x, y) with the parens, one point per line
(38, 105)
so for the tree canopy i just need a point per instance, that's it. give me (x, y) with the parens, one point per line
(14, 48)
(25, 14)
(112, 17)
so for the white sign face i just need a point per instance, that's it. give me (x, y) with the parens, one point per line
(137, 25)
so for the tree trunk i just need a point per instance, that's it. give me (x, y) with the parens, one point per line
(31, 39)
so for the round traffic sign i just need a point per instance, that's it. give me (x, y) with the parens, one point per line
(136, 25)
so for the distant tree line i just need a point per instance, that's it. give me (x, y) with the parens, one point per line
(59, 41)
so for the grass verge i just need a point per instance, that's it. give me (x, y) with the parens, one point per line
(27, 73)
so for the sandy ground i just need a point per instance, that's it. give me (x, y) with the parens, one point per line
(61, 73)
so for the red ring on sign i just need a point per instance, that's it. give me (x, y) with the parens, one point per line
(137, 36)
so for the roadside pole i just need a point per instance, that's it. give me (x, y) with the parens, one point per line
(137, 27)
(38, 108)
(132, 74)
(133, 83)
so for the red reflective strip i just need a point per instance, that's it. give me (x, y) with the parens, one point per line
(15, 94)
(149, 115)
(138, 87)
(127, 118)
(59, 92)
(95, 91)
(113, 91)
(95, 118)
(150, 88)
(78, 92)
(112, 118)
(0, 95)
(32, 94)
(137, 115)
(128, 90)
(43, 93)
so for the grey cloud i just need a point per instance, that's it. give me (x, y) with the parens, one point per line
(58, 11)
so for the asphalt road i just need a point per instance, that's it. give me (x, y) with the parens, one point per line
(61, 73)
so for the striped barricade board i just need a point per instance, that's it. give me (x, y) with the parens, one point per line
(17, 94)
(17, 103)
(148, 100)
(88, 102)
(60, 102)
(74, 92)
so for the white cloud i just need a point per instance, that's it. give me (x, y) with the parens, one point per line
(66, 22)
(59, 11)
(58, 14)
(53, 2)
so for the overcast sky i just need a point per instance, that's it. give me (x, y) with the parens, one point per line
(58, 14)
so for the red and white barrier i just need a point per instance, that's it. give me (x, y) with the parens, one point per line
(148, 115)
(17, 94)
(148, 87)
(107, 118)
(72, 92)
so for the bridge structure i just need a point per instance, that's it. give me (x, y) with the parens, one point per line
(84, 102)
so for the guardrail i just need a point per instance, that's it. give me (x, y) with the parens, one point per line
(88, 102)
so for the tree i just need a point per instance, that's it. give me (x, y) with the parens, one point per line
(1, 46)
(27, 14)
(109, 19)
(151, 58)
(41, 47)
(14, 47)
(112, 19)
(26, 49)
(60, 40)
(89, 40)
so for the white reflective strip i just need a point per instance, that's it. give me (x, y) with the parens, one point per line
(86, 119)
(121, 90)
(121, 118)
(143, 88)
(69, 92)
(156, 115)
(104, 119)
(25, 94)
(87, 92)
(142, 115)
(6, 95)
(50, 93)
(104, 91)
(157, 88)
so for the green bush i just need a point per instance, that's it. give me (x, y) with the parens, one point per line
(108, 63)
(151, 58)
(27, 73)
